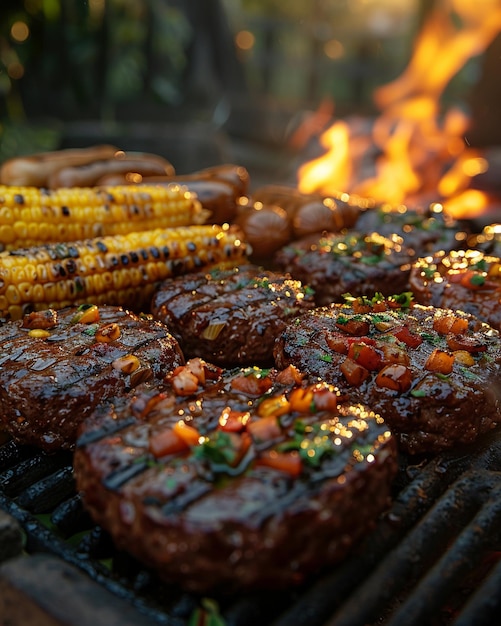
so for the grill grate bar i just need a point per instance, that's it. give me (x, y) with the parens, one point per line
(457, 562)
(453, 494)
(29, 471)
(48, 492)
(484, 606)
(398, 572)
(40, 539)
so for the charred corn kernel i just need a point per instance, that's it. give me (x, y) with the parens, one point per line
(120, 270)
(108, 333)
(126, 364)
(30, 216)
(39, 333)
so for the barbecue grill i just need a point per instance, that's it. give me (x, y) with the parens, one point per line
(432, 558)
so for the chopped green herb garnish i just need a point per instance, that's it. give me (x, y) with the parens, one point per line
(325, 357)
(418, 393)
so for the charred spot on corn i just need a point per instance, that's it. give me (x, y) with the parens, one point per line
(121, 270)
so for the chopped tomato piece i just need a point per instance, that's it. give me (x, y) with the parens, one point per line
(233, 421)
(450, 323)
(404, 335)
(289, 375)
(364, 355)
(395, 376)
(474, 280)
(202, 370)
(337, 342)
(394, 354)
(252, 384)
(183, 381)
(187, 433)
(240, 443)
(288, 462)
(167, 442)
(265, 428)
(354, 373)
(470, 343)
(353, 326)
(326, 398)
(440, 361)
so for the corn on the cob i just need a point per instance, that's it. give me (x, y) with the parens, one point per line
(117, 270)
(31, 216)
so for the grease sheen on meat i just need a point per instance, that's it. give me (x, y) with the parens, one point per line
(466, 280)
(230, 317)
(432, 374)
(253, 480)
(56, 366)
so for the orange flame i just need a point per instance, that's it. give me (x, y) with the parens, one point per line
(422, 148)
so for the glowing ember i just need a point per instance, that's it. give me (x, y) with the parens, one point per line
(424, 153)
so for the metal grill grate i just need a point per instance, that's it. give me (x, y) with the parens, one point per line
(432, 559)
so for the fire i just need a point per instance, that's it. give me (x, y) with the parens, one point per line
(424, 153)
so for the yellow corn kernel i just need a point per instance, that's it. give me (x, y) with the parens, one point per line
(30, 216)
(120, 270)
(38, 333)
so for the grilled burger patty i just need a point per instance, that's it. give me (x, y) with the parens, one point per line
(231, 480)
(467, 280)
(230, 317)
(333, 265)
(432, 374)
(56, 366)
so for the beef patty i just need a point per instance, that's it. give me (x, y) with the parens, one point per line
(431, 373)
(55, 366)
(232, 480)
(230, 317)
(468, 280)
(333, 265)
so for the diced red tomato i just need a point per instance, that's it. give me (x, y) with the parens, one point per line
(233, 421)
(395, 376)
(394, 354)
(365, 355)
(288, 462)
(337, 342)
(240, 443)
(325, 399)
(183, 381)
(353, 326)
(354, 373)
(290, 375)
(404, 335)
(450, 323)
(265, 428)
(166, 442)
(252, 384)
(470, 343)
(187, 433)
(202, 370)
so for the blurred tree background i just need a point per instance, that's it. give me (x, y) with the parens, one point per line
(76, 71)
